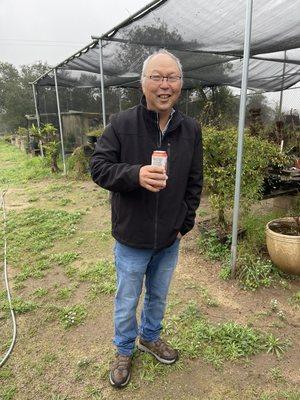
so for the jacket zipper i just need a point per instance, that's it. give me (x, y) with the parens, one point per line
(169, 157)
(156, 220)
(157, 194)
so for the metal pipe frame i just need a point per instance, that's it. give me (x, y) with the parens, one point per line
(136, 14)
(97, 38)
(242, 114)
(102, 84)
(60, 123)
(282, 86)
(37, 118)
(85, 48)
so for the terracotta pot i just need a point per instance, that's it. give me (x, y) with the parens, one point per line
(284, 250)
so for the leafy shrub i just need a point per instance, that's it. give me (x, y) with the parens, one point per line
(220, 148)
(95, 131)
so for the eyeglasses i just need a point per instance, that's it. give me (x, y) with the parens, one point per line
(160, 78)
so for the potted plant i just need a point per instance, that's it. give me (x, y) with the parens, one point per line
(283, 243)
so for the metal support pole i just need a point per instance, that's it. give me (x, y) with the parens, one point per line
(242, 114)
(102, 83)
(60, 123)
(282, 85)
(37, 118)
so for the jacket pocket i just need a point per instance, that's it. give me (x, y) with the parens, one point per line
(181, 216)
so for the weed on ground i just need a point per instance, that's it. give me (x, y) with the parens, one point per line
(234, 344)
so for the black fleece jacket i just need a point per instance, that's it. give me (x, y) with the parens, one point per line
(141, 218)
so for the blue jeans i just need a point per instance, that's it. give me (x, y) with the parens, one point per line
(132, 265)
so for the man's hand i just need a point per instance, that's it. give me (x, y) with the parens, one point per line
(153, 178)
(179, 235)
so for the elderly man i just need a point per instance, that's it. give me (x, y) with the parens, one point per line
(153, 205)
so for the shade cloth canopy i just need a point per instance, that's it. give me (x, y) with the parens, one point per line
(208, 38)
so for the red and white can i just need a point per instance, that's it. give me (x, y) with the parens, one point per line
(159, 159)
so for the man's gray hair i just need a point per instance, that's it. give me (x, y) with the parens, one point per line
(160, 51)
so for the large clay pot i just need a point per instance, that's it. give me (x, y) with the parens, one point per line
(284, 249)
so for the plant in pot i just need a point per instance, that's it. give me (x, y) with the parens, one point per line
(283, 243)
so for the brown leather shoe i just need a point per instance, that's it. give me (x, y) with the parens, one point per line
(160, 350)
(120, 374)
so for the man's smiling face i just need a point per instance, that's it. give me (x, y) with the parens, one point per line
(162, 95)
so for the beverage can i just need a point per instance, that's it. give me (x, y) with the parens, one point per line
(159, 158)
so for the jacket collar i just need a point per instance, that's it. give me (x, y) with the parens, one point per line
(152, 116)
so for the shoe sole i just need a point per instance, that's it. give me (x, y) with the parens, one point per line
(162, 360)
(121, 384)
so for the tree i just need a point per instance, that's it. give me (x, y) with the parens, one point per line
(141, 42)
(220, 165)
(258, 101)
(16, 97)
(215, 106)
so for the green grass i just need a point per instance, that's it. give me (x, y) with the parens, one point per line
(49, 358)
(64, 259)
(6, 373)
(254, 268)
(275, 345)
(295, 299)
(196, 337)
(211, 247)
(288, 394)
(59, 187)
(206, 296)
(254, 272)
(276, 374)
(73, 315)
(8, 392)
(34, 270)
(64, 293)
(19, 305)
(18, 168)
(34, 230)
(64, 202)
(101, 276)
(40, 292)
(30, 233)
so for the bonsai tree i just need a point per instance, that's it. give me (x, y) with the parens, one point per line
(220, 165)
(36, 133)
(49, 135)
(93, 133)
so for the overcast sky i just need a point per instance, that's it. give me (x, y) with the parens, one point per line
(39, 30)
(33, 30)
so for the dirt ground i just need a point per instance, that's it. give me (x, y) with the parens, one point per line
(49, 362)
